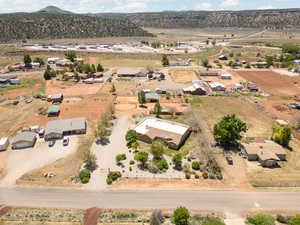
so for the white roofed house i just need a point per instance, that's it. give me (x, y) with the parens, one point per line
(172, 133)
(196, 89)
(216, 86)
(132, 72)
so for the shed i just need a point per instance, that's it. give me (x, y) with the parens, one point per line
(53, 110)
(14, 81)
(226, 76)
(151, 97)
(216, 86)
(57, 97)
(209, 73)
(24, 139)
(4, 142)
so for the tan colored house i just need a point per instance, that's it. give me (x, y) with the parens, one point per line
(172, 133)
(268, 153)
(25, 139)
(209, 73)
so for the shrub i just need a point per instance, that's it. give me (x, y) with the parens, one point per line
(90, 161)
(196, 165)
(114, 175)
(162, 164)
(261, 219)
(205, 175)
(157, 149)
(181, 216)
(85, 176)
(177, 160)
(186, 168)
(282, 219)
(295, 220)
(187, 175)
(197, 176)
(120, 157)
(109, 180)
(131, 162)
(213, 221)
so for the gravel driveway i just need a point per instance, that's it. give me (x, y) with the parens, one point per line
(22, 161)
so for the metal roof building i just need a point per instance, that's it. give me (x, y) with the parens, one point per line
(24, 139)
(56, 129)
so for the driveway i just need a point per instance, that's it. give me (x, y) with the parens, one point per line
(106, 154)
(22, 161)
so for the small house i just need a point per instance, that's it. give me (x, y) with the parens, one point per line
(53, 110)
(24, 139)
(57, 98)
(209, 73)
(226, 76)
(4, 142)
(53, 60)
(151, 97)
(216, 86)
(14, 81)
(160, 90)
(196, 89)
(267, 153)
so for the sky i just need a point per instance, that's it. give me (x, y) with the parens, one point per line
(97, 6)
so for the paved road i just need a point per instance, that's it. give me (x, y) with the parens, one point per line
(229, 201)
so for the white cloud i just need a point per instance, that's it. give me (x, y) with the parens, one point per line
(230, 3)
(204, 6)
(266, 7)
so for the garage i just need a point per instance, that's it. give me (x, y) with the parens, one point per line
(24, 140)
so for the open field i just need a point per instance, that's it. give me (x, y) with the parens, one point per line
(183, 76)
(212, 109)
(273, 83)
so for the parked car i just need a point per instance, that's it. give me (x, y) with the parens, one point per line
(65, 141)
(51, 143)
(295, 105)
(229, 160)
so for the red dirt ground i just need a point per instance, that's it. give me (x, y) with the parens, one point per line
(91, 216)
(273, 83)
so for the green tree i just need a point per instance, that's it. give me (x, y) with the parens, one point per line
(157, 109)
(101, 133)
(131, 137)
(70, 55)
(39, 60)
(157, 149)
(142, 157)
(214, 42)
(282, 135)
(47, 74)
(87, 68)
(142, 98)
(269, 60)
(261, 219)
(113, 89)
(231, 54)
(181, 216)
(213, 221)
(177, 161)
(204, 62)
(162, 164)
(229, 129)
(196, 165)
(27, 60)
(295, 220)
(90, 161)
(165, 60)
(100, 68)
(85, 176)
(120, 157)
(289, 48)
(93, 68)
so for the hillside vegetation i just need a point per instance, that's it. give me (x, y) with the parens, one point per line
(21, 26)
(270, 19)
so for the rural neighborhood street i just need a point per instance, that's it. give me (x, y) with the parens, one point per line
(228, 201)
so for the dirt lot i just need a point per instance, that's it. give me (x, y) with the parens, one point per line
(212, 109)
(273, 83)
(54, 86)
(167, 184)
(183, 76)
(229, 84)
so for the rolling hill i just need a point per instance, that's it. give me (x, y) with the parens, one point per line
(22, 26)
(269, 19)
(54, 10)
